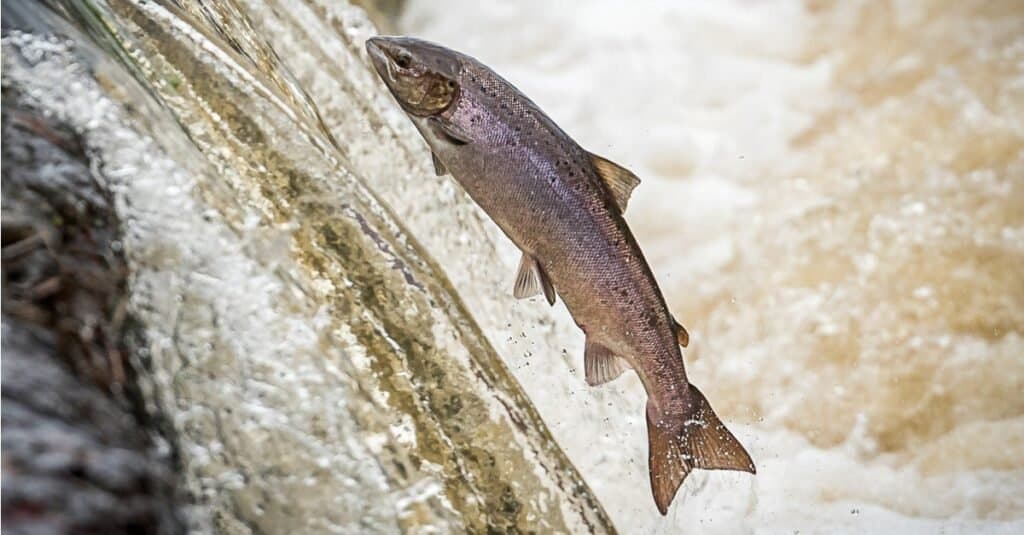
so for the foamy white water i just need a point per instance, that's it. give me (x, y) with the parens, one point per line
(831, 201)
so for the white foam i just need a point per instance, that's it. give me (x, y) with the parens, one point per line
(746, 216)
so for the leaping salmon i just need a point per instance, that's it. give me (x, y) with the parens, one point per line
(562, 206)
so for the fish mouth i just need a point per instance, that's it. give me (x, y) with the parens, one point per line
(377, 48)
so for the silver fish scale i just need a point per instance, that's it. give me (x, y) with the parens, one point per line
(559, 204)
(541, 189)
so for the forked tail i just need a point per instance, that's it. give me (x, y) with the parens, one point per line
(681, 442)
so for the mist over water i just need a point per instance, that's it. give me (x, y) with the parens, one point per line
(833, 204)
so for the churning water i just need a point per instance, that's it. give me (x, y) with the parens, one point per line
(833, 203)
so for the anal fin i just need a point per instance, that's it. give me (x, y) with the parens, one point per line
(532, 280)
(601, 364)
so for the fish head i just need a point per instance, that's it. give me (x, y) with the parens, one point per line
(423, 76)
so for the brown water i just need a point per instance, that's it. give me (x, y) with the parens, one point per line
(888, 267)
(833, 200)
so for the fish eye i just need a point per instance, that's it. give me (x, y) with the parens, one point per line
(451, 84)
(404, 60)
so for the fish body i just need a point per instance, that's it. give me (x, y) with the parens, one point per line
(562, 206)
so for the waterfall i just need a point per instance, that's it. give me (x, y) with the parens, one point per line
(318, 370)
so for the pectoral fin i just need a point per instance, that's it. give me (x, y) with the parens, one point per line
(620, 181)
(601, 364)
(438, 166)
(449, 131)
(532, 280)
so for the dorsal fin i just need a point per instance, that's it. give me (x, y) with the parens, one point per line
(620, 181)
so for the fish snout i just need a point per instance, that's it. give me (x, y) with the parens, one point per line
(376, 47)
(420, 75)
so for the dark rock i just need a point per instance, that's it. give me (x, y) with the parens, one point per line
(78, 454)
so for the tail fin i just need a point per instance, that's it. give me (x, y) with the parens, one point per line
(682, 442)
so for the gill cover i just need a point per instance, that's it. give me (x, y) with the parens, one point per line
(422, 76)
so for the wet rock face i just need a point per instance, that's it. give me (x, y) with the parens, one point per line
(78, 456)
(317, 370)
(383, 13)
(63, 271)
(74, 460)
